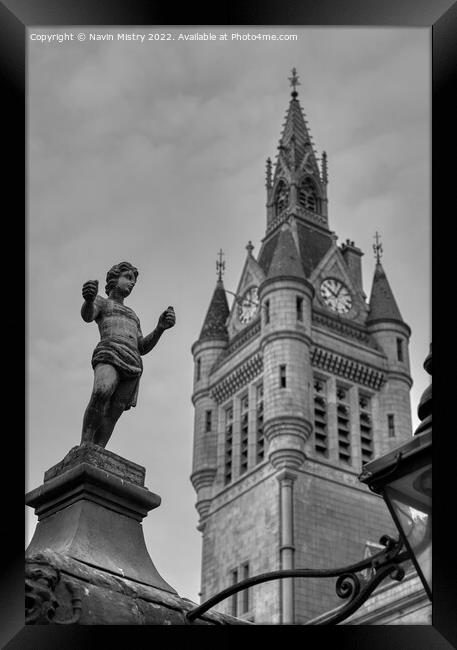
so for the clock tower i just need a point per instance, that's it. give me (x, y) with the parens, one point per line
(296, 385)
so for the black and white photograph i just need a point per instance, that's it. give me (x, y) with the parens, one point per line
(228, 325)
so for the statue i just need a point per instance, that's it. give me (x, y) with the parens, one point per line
(116, 359)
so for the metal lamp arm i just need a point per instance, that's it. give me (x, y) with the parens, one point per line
(349, 585)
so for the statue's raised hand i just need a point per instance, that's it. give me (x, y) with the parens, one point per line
(90, 290)
(167, 318)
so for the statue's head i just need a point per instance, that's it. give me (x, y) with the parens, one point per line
(121, 270)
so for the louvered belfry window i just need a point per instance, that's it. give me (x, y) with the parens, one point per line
(281, 197)
(343, 416)
(366, 428)
(320, 418)
(244, 434)
(307, 196)
(260, 439)
(228, 451)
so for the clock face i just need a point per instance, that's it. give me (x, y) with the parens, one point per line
(249, 305)
(336, 296)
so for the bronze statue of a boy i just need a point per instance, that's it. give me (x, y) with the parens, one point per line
(116, 360)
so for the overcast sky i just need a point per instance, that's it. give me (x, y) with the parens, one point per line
(155, 153)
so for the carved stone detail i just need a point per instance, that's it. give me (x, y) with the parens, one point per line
(41, 603)
(348, 368)
(238, 378)
(41, 580)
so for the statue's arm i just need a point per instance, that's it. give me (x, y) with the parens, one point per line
(166, 320)
(90, 310)
(146, 343)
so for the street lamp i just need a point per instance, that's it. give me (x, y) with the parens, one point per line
(404, 479)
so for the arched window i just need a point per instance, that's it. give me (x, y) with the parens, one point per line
(282, 197)
(307, 195)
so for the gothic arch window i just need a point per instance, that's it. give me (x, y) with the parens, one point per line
(281, 197)
(307, 195)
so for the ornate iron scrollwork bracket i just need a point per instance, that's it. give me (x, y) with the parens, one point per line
(351, 585)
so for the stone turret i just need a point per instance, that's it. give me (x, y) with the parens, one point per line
(286, 298)
(206, 350)
(391, 333)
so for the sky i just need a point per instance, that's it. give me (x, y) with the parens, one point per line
(154, 152)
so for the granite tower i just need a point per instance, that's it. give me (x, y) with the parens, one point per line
(297, 384)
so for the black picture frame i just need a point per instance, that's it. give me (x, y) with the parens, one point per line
(15, 16)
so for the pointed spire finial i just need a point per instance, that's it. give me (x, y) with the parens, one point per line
(220, 266)
(294, 82)
(268, 174)
(324, 167)
(377, 248)
(249, 247)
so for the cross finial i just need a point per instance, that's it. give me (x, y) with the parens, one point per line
(377, 248)
(294, 82)
(220, 266)
(249, 247)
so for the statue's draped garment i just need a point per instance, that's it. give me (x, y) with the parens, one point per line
(120, 333)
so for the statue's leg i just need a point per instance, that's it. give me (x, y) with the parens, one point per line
(113, 414)
(106, 379)
(120, 400)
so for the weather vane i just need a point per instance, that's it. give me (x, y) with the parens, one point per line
(220, 266)
(377, 247)
(294, 81)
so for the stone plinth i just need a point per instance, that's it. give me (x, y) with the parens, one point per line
(90, 508)
(63, 591)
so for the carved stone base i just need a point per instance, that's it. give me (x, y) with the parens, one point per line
(90, 507)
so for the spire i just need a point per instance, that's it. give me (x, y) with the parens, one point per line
(382, 302)
(295, 139)
(286, 259)
(297, 185)
(214, 324)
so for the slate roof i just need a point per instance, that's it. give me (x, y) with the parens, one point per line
(382, 302)
(214, 325)
(266, 253)
(286, 258)
(313, 246)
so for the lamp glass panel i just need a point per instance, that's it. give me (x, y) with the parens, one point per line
(411, 500)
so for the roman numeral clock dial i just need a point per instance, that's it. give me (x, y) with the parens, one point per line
(336, 296)
(249, 305)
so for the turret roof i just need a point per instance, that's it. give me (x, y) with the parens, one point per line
(383, 305)
(214, 325)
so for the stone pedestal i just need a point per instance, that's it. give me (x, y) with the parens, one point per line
(90, 508)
